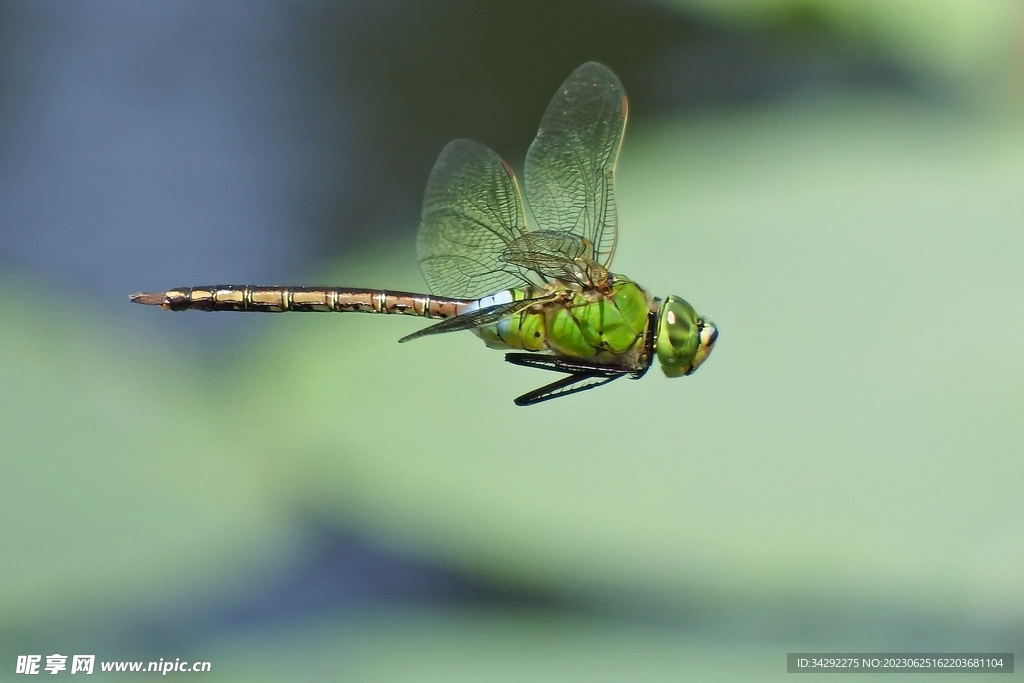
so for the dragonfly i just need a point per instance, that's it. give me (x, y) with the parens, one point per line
(541, 290)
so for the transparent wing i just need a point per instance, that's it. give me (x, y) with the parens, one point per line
(570, 166)
(559, 255)
(472, 212)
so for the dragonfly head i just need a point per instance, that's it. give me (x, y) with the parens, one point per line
(684, 339)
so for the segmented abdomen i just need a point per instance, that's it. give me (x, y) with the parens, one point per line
(325, 299)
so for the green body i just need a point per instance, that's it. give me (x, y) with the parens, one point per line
(606, 328)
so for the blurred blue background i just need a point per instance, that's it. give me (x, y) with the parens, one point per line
(839, 185)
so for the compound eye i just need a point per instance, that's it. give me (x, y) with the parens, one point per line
(678, 337)
(680, 327)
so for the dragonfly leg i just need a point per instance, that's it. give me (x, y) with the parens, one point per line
(651, 336)
(582, 375)
(572, 384)
(571, 366)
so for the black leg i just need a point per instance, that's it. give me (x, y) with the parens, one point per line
(569, 365)
(649, 340)
(567, 385)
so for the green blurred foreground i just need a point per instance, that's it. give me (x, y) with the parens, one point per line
(843, 473)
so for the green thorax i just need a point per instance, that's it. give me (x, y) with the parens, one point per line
(602, 326)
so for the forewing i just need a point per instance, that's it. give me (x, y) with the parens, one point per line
(570, 167)
(472, 211)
